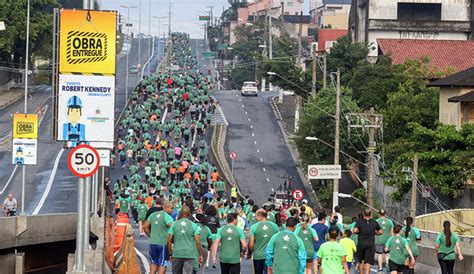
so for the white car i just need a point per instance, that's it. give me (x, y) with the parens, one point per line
(249, 88)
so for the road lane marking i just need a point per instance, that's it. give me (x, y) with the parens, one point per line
(243, 106)
(268, 180)
(253, 134)
(50, 183)
(251, 126)
(261, 160)
(240, 100)
(246, 113)
(255, 142)
(144, 260)
(264, 169)
(258, 150)
(248, 119)
(9, 180)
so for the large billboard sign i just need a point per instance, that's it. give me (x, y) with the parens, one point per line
(87, 41)
(24, 151)
(86, 108)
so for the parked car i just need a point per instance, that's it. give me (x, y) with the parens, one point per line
(249, 88)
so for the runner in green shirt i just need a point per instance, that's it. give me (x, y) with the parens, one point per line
(380, 240)
(183, 241)
(124, 200)
(446, 243)
(260, 234)
(156, 227)
(142, 210)
(232, 245)
(205, 235)
(396, 247)
(308, 235)
(285, 252)
(332, 255)
(413, 237)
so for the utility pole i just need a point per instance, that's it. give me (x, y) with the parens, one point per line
(128, 49)
(270, 37)
(139, 32)
(324, 71)
(169, 20)
(371, 121)
(335, 195)
(149, 33)
(413, 187)
(210, 15)
(315, 67)
(300, 33)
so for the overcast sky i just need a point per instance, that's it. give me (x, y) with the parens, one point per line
(184, 16)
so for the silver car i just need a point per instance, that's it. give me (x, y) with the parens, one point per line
(249, 88)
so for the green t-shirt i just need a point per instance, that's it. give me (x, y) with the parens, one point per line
(204, 234)
(386, 225)
(354, 236)
(397, 246)
(413, 236)
(124, 202)
(142, 210)
(307, 236)
(331, 254)
(286, 253)
(230, 237)
(262, 233)
(184, 244)
(160, 222)
(441, 241)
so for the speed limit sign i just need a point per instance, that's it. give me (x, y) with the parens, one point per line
(83, 161)
(297, 194)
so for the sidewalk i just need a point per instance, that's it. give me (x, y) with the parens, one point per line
(8, 97)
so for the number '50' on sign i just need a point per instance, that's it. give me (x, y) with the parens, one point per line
(83, 161)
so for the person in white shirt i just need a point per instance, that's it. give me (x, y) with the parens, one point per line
(10, 205)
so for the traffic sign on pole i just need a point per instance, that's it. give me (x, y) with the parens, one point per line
(83, 161)
(233, 155)
(297, 194)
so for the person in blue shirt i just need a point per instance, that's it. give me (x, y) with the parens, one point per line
(73, 130)
(321, 229)
(19, 160)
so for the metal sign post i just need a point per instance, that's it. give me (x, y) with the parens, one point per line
(83, 161)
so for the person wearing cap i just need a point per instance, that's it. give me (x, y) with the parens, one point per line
(285, 251)
(308, 235)
(73, 130)
(332, 255)
(260, 234)
(308, 209)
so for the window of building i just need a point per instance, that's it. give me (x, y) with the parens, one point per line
(419, 12)
(290, 4)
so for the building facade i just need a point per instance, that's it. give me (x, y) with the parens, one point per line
(410, 19)
(333, 14)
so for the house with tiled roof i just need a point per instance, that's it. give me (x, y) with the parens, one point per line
(456, 97)
(445, 55)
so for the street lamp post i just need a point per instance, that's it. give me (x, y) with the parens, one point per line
(280, 91)
(159, 26)
(139, 32)
(128, 49)
(23, 167)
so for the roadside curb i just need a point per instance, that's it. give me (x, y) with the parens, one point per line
(18, 98)
(293, 151)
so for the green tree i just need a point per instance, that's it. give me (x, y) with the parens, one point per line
(13, 13)
(317, 120)
(346, 56)
(445, 158)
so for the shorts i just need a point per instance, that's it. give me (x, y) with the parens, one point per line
(349, 265)
(220, 193)
(379, 248)
(396, 267)
(366, 253)
(159, 255)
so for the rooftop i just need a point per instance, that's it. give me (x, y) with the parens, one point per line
(468, 97)
(463, 78)
(443, 54)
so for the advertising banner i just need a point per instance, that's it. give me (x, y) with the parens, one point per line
(86, 108)
(87, 41)
(25, 125)
(104, 155)
(24, 151)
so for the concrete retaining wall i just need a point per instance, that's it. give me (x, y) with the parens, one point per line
(30, 230)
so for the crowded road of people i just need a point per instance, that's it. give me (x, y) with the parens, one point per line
(194, 220)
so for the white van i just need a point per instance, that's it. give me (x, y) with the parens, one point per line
(249, 88)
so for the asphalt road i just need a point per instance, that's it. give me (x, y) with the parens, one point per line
(50, 186)
(253, 133)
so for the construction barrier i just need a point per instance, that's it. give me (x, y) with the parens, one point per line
(120, 229)
(126, 260)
